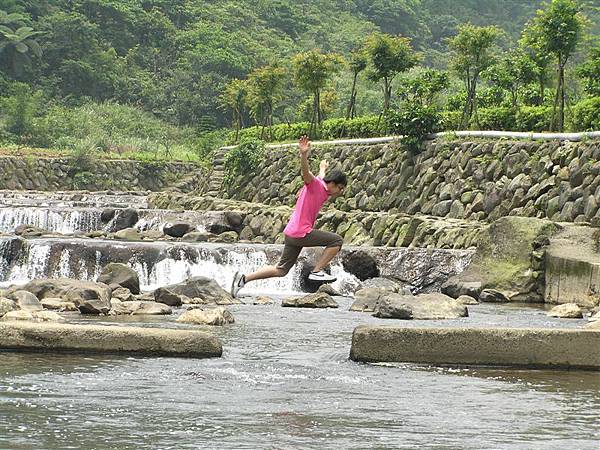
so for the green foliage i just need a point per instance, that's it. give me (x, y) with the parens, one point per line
(19, 110)
(586, 115)
(424, 87)
(513, 71)
(359, 127)
(473, 52)
(265, 87)
(389, 56)
(590, 73)
(242, 160)
(414, 122)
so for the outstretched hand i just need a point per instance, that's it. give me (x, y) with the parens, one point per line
(304, 145)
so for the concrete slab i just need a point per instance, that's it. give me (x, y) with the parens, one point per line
(523, 347)
(27, 336)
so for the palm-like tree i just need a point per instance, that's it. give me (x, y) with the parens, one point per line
(16, 42)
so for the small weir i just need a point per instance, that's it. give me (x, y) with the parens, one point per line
(162, 263)
(60, 219)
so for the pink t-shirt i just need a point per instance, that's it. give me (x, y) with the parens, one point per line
(311, 198)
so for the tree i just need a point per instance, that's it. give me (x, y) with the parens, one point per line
(590, 73)
(473, 53)
(424, 87)
(389, 56)
(312, 70)
(264, 91)
(557, 29)
(512, 72)
(233, 98)
(17, 42)
(358, 62)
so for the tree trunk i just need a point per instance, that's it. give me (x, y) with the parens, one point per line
(561, 117)
(350, 110)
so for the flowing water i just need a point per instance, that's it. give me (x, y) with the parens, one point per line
(285, 381)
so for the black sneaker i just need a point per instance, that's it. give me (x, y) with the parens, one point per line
(238, 282)
(321, 276)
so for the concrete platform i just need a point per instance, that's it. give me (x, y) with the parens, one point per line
(522, 347)
(46, 337)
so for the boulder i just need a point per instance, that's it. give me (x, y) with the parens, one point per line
(36, 316)
(177, 229)
(137, 308)
(367, 299)
(6, 305)
(492, 296)
(121, 274)
(74, 291)
(163, 295)
(262, 300)
(128, 234)
(386, 283)
(316, 300)
(93, 307)
(204, 288)
(503, 260)
(29, 231)
(360, 264)
(125, 218)
(433, 306)
(466, 300)
(455, 287)
(227, 237)
(58, 304)
(567, 311)
(328, 289)
(197, 236)
(214, 316)
(121, 293)
(107, 214)
(26, 301)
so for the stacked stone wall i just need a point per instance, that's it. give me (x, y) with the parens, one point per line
(20, 173)
(475, 180)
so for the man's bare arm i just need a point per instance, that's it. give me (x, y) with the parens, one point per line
(304, 146)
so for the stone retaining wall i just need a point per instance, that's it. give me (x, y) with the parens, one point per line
(479, 179)
(264, 224)
(53, 174)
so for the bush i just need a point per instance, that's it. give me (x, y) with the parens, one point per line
(414, 122)
(242, 160)
(586, 115)
(533, 118)
(359, 127)
(20, 109)
(499, 118)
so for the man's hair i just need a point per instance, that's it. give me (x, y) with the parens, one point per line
(336, 176)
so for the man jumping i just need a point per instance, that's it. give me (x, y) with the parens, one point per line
(299, 232)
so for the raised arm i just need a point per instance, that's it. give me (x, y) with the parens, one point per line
(304, 146)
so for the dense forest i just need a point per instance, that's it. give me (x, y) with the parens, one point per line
(173, 59)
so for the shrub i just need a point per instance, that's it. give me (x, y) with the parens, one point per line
(533, 118)
(586, 115)
(498, 118)
(414, 122)
(242, 160)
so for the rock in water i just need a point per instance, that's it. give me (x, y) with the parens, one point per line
(26, 301)
(58, 304)
(204, 288)
(6, 305)
(316, 300)
(177, 229)
(215, 316)
(360, 264)
(163, 295)
(120, 274)
(434, 306)
(466, 300)
(492, 296)
(567, 311)
(125, 218)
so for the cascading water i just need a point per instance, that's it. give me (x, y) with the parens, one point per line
(72, 220)
(156, 264)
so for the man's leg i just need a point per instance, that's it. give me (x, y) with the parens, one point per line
(328, 254)
(265, 272)
(288, 259)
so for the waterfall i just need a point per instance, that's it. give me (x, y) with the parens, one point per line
(156, 265)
